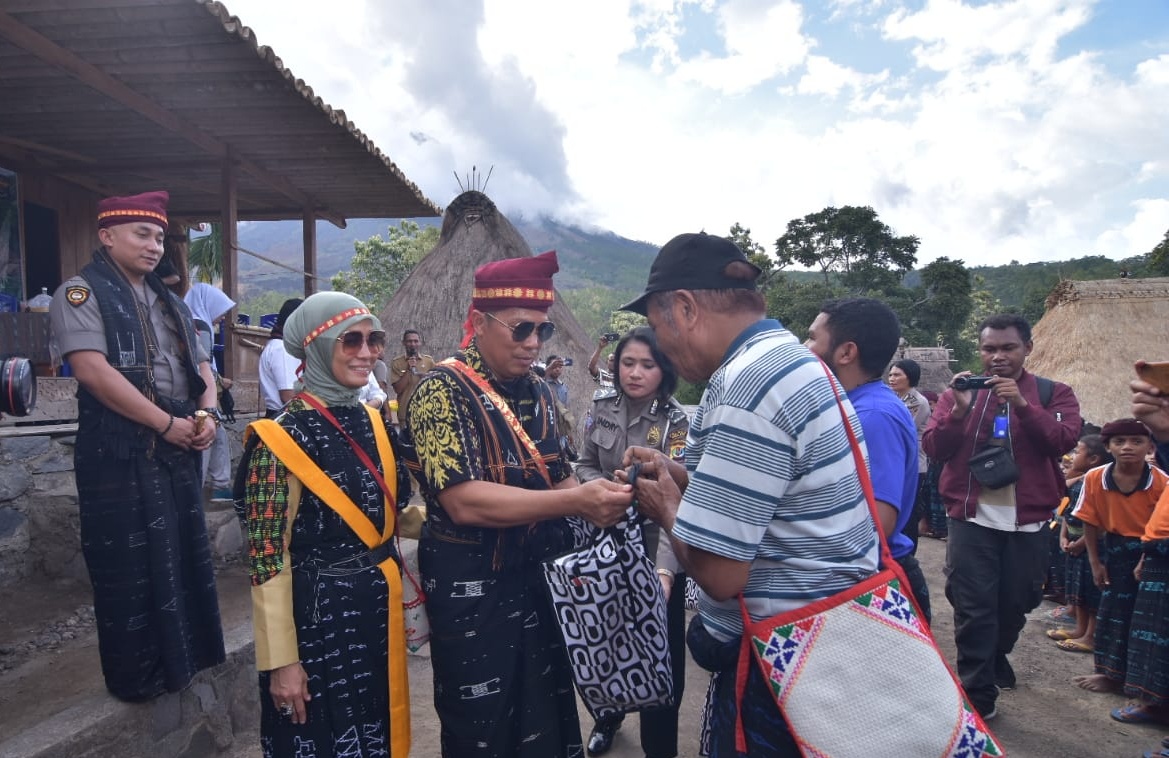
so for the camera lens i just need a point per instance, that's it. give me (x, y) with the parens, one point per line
(18, 387)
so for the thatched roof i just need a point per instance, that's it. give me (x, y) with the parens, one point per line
(1093, 332)
(435, 297)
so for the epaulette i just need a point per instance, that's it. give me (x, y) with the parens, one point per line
(604, 393)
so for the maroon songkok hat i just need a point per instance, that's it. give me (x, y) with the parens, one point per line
(515, 283)
(149, 207)
(1124, 427)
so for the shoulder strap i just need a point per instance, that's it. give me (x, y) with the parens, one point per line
(473, 376)
(316, 480)
(1046, 388)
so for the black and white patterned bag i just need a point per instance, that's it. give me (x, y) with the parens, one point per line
(612, 615)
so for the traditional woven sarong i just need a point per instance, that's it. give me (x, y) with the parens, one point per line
(1081, 589)
(1147, 677)
(340, 597)
(502, 683)
(1114, 616)
(145, 544)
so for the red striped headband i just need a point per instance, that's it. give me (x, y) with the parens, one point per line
(333, 321)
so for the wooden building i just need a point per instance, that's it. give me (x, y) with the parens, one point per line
(115, 97)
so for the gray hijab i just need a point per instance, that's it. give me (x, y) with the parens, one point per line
(311, 333)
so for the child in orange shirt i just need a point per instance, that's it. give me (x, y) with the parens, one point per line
(1116, 501)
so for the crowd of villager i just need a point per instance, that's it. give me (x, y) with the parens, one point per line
(557, 561)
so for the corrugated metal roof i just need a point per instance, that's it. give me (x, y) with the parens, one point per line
(126, 95)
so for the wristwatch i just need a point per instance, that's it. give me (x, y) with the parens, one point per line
(215, 414)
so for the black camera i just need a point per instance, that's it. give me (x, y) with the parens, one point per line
(18, 387)
(972, 382)
(610, 336)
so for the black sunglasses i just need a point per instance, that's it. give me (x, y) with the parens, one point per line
(351, 342)
(521, 331)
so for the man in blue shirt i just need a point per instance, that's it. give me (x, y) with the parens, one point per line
(857, 337)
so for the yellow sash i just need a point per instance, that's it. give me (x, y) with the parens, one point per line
(318, 482)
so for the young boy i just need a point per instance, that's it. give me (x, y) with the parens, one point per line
(1115, 503)
(1083, 597)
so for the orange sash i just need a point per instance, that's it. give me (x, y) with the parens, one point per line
(312, 477)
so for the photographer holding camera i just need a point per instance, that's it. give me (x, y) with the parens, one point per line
(999, 438)
(604, 376)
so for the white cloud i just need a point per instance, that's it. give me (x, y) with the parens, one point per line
(952, 34)
(761, 39)
(825, 77)
(1142, 232)
(967, 123)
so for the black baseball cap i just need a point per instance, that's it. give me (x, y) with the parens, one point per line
(693, 262)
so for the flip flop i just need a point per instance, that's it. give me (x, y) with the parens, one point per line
(1062, 614)
(1158, 754)
(1072, 646)
(1059, 634)
(1133, 713)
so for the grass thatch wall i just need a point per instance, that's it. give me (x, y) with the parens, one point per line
(1093, 332)
(435, 297)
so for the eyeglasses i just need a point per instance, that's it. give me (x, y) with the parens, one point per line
(521, 331)
(351, 342)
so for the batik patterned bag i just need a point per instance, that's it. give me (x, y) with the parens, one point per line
(859, 673)
(612, 616)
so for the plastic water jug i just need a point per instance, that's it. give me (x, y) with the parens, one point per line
(40, 303)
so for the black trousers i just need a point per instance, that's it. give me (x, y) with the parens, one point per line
(993, 579)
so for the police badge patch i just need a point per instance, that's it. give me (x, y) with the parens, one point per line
(76, 295)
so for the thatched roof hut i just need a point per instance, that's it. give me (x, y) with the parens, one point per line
(435, 297)
(1093, 332)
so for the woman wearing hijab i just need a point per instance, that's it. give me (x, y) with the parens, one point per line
(320, 491)
(208, 307)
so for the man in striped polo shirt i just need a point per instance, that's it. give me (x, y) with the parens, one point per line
(768, 504)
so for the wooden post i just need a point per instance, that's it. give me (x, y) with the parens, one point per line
(230, 243)
(309, 229)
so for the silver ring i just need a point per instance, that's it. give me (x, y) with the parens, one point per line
(285, 709)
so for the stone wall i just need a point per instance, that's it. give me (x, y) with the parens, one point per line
(38, 510)
(39, 524)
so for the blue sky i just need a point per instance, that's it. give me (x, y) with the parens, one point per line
(995, 131)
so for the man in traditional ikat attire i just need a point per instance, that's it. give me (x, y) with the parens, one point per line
(141, 376)
(498, 489)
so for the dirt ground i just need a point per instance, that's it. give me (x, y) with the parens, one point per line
(1045, 716)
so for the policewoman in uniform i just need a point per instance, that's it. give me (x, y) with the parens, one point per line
(642, 411)
(141, 381)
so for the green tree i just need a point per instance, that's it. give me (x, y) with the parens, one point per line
(937, 309)
(796, 304)
(266, 302)
(596, 307)
(205, 256)
(852, 243)
(380, 265)
(755, 253)
(1158, 260)
(984, 304)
